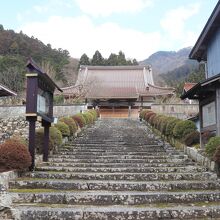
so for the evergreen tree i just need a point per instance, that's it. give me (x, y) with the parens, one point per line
(112, 60)
(84, 60)
(97, 59)
(121, 59)
(135, 62)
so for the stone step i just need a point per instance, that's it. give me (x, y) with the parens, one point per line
(113, 198)
(114, 145)
(115, 153)
(111, 149)
(116, 164)
(125, 169)
(69, 212)
(112, 156)
(117, 160)
(123, 176)
(70, 157)
(114, 185)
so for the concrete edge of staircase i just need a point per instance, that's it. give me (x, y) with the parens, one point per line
(5, 178)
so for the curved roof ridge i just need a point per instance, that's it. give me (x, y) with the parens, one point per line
(159, 87)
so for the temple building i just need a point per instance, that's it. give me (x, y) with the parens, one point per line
(117, 88)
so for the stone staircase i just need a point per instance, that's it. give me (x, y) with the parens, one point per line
(117, 170)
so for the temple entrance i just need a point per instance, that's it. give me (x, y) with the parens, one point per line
(119, 112)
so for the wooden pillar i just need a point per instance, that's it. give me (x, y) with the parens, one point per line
(217, 112)
(46, 126)
(129, 111)
(31, 146)
(200, 124)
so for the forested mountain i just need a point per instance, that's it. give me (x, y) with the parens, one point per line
(164, 61)
(175, 68)
(16, 48)
(185, 73)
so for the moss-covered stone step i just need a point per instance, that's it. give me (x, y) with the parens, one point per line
(123, 176)
(114, 185)
(115, 198)
(127, 169)
(104, 153)
(68, 212)
(113, 145)
(131, 150)
(118, 164)
(116, 160)
(59, 157)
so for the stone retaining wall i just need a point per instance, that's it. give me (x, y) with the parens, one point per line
(13, 122)
(59, 110)
(181, 111)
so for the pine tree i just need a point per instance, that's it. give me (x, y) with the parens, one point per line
(97, 59)
(84, 60)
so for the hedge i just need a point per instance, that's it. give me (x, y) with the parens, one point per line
(170, 126)
(81, 119)
(71, 124)
(212, 145)
(63, 128)
(183, 128)
(56, 135)
(192, 138)
(39, 141)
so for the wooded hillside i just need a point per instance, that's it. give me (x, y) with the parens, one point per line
(16, 48)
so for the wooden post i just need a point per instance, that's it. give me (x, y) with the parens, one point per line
(217, 110)
(46, 126)
(31, 146)
(129, 111)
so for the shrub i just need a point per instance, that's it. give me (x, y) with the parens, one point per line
(39, 141)
(187, 131)
(157, 121)
(161, 122)
(216, 156)
(181, 127)
(63, 128)
(88, 117)
(163, 125)
(56, 136)
(14, 155)
(78, 120)
(142, 113)
(82, 118)
(206, 135)
(71, 124)
(212, 145)
(151, 119)
(148, 114)
(170, 126)
(192, 138)
(94, 113)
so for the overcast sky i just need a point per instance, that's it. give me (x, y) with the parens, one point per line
(137, 27)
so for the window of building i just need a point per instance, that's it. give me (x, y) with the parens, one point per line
(208, 114)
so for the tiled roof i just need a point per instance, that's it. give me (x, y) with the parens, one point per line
(188, 86)
(4, 91)
(70, 90)
(109, 82)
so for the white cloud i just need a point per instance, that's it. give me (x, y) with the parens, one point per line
(51, 5)
(80, 35)
(174, 21)
(107, 7)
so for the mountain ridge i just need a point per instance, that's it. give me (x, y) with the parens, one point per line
(165, 61)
